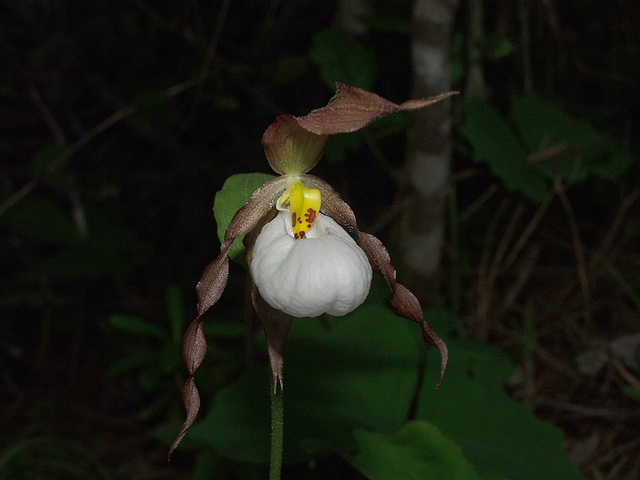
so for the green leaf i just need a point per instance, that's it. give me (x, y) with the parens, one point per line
(495, 46)
(499, 436)
(234, 194)
(137, 326)
(442, 320)
(209, 466)
(340, 58)
(495, 144)
(357, 372)
(418, 450)
(568, 148)
(349, 384)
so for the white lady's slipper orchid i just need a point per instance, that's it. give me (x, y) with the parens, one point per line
(303, 263)
(317, 269)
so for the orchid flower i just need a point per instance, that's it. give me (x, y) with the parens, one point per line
(305, 252)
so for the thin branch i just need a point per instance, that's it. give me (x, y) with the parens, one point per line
(484, 286)
(528, 231)
(61, 159)
(481, 200)
(588, 411)
(577, 247)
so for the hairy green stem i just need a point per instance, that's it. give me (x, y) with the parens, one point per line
(277, 425)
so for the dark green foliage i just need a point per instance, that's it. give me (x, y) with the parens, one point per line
(546, 145)
(349, 385)
(120, 122)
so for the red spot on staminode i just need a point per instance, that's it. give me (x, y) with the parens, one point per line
(311, 215)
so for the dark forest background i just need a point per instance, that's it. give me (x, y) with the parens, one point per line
(119, 122)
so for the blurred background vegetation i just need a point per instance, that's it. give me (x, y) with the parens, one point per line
(121, 120)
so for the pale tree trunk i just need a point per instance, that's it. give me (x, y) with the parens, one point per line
(430, 156)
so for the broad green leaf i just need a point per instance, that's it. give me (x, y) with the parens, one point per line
(234, 194)
(442, 320)
(564, 144)
(137, 326)
(499, 436)
(495, 144)
(418, 450)
(567, 147)
(340, 58)
(357, 372)
(209, 466)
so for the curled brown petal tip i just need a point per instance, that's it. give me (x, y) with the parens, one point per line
(194, 349)
(276, 326)
(407, 305)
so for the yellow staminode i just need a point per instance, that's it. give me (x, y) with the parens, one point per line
(304, 204)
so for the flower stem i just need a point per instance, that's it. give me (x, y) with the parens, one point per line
(277, 425)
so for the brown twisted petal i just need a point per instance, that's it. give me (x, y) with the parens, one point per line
(210, 288)
(352, 108)
(403, 301)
